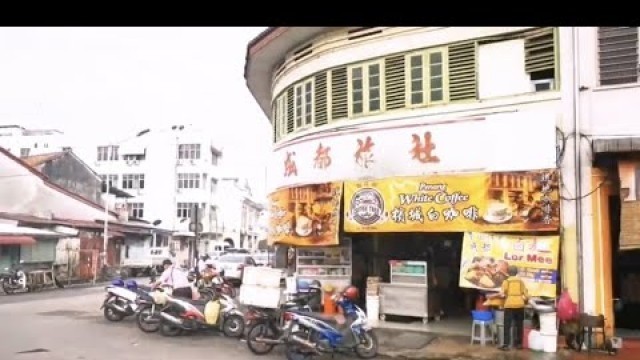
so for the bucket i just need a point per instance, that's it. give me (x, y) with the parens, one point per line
(549, 342)
(373, 308)
(548, 323)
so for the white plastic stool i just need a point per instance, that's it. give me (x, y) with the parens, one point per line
(486, 332)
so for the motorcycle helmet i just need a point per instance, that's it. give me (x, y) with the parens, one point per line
(117, 282)
(131, 285)
(315, 284)
(351, 293)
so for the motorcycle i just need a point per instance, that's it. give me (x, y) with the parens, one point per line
(14, 279)
(220, 313)
(311, 334)
(266, 326)
(121, 300)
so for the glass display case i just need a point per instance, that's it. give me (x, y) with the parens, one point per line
(330, 265)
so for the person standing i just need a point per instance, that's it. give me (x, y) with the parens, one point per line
(515, 296)
(175, 278)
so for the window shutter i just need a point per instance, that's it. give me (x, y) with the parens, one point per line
(539, 47)
(618, 55)
(339, 94)
(274, 120)
(463, 81)
(290, 110)
(320, 98)
(394, 74)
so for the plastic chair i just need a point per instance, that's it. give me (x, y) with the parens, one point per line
(484, 333)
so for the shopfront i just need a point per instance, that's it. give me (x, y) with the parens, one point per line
(410, 222)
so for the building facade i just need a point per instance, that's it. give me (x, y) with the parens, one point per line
(23, 142)
(240, 214)
(168, 172)
(366, 104)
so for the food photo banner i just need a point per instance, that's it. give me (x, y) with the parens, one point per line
(305, 216)
(486, 258)
(485, 202)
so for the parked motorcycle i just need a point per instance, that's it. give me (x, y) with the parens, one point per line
(121, 299)
(220, 313)
(310, 334)
(14, 279)
(267, 326)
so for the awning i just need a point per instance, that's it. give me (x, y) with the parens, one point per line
(16, 240)
(616, 144)
(115, 234)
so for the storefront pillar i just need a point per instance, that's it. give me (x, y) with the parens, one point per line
(602, 250)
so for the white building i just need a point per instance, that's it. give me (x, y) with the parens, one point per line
(240, 214)
(168, 171)
(23, 142)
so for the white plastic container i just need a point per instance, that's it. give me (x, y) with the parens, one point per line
(262, 276)
(548, 323)
(535, 341)
(549, 342)
(373, 308)
(260, 296)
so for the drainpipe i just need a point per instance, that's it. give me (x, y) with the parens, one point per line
(577, 158)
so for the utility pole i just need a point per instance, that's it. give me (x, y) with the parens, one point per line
(196, 227)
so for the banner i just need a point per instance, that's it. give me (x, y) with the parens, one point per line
(305, 216)
(483, 202)
(486, 258)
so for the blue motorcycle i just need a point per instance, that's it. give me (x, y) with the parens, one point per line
(311, 334)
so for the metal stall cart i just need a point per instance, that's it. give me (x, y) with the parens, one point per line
(407, 293)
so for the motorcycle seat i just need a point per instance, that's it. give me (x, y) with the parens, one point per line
(317, 316)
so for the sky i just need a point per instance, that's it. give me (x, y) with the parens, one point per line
(99, 85)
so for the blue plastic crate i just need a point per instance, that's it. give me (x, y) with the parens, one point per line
(482, 315)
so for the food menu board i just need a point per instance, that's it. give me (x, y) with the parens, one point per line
(408, 272)
(486, 259)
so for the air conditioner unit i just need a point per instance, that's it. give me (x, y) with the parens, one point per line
(542, 85)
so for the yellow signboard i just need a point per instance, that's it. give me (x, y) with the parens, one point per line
(486, 258)
(488, 202)
(305, 216)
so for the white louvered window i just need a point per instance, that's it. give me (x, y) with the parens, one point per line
(303, 104)
(365, 88)
(618, 55)
(281, 115)
(427, 77)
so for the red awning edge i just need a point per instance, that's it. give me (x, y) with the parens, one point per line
(16, 240)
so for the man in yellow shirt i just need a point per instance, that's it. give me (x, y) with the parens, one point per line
(515, 296)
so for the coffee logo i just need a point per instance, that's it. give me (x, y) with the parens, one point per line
(367, 206)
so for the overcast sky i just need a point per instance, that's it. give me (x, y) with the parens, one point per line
(103, 84)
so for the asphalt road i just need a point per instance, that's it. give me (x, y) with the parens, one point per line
(68, 325)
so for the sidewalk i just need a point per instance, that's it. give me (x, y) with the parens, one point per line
(416, 345)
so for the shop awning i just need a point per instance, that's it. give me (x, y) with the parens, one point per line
(616, 144)
(16, 240)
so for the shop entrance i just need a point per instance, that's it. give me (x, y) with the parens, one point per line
(374, 255)
(626, 278)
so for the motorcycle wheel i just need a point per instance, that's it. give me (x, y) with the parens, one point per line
(7, 287)
(168, 329)
(294, 351)
(147, 321)
(260, 330)
(368, 348)
(111, 314)
(233, 326)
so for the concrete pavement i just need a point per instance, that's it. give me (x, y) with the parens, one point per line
(72, 327)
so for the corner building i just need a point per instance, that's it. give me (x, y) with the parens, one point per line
(419, 156)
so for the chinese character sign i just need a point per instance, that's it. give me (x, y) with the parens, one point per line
(489, 202)
(486, 258)
(305, 216)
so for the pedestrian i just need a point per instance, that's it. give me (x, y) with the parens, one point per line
(175, 278)
(515, 295)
